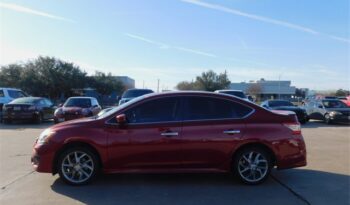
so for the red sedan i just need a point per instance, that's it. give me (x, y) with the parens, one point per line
(174, 132)
(77, 107)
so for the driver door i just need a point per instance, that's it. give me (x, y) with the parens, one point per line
(151, 138)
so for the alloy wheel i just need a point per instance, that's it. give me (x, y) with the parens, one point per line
(77, 167)
(253, 166)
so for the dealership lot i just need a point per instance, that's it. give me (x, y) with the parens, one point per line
(326, 179)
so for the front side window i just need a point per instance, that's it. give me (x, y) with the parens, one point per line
(158, 110)
(333, 104)
(204, 108)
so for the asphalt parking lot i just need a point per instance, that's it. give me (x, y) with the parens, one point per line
(326, 179)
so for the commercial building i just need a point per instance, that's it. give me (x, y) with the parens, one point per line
(266, 89)
(127, 81)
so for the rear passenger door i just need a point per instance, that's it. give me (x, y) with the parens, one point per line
(211, 129)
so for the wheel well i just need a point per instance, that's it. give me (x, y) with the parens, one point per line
(259, 145)
(70, 145)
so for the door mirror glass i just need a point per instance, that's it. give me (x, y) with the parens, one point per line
(121, 119)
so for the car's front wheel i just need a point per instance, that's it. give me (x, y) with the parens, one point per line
(77, 166)
(327, 119)
(252, 165)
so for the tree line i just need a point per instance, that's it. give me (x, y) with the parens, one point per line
(52, 77)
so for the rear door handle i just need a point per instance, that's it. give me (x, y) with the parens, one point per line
(231, 132)
(169, 134)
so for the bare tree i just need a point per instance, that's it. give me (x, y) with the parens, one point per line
(255, 90)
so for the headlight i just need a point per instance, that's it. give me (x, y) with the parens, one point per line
(58, 112)
(44, 136)
(335, 113)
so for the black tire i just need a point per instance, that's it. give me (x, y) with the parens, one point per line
(239, 163)
(38, 118)
(63, 172)
(7, 121)
(327, 119)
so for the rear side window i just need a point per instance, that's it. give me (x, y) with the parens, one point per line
(158, 110)
(204, 108)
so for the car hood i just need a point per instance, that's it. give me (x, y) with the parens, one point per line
(71, 109)
(74, 123)
(292, 108)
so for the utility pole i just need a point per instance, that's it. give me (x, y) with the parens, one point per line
(279, 86)
(158, 86)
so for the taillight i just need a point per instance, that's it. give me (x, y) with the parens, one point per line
(295, 127)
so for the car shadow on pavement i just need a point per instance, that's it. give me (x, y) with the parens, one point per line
(206, 189)
(316, 187)
(20, 125)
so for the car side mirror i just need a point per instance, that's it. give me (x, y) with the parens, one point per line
(320, 106)
(121, 119)
(60, 105)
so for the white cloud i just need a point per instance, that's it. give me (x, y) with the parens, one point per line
(263, 19)
(22, 9)
(167, 46)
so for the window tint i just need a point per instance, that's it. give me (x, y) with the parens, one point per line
(78, 102)
(15, 94)
(158, 110)
(2, 93)
(48, 102)
(136, 93)
(200, 108)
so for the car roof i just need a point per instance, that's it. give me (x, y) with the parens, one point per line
(81, 97)
(139, 89)
(228, 90)
(10, 88)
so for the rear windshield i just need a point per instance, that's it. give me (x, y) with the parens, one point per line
(234, 93)
(78, 102)
(279, 103)
(334, 104)
(135, 93)
(16, 93)
(24, 101)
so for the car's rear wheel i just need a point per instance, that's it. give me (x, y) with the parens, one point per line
(252, 165)
(77, 166)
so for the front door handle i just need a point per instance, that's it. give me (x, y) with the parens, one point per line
(231, 132)
(169, 134)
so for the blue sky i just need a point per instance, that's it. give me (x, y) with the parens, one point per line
(175, 40)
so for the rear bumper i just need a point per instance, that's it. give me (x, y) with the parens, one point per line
(292, 153)
(19, 115)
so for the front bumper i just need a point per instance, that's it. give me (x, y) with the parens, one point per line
(340, 118)
(42, 159)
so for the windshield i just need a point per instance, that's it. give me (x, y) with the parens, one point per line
(78, 102)
(279, 103)
(113, 110)
(135, 93)
(24, 101)
(334, 104)
(234, 93)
